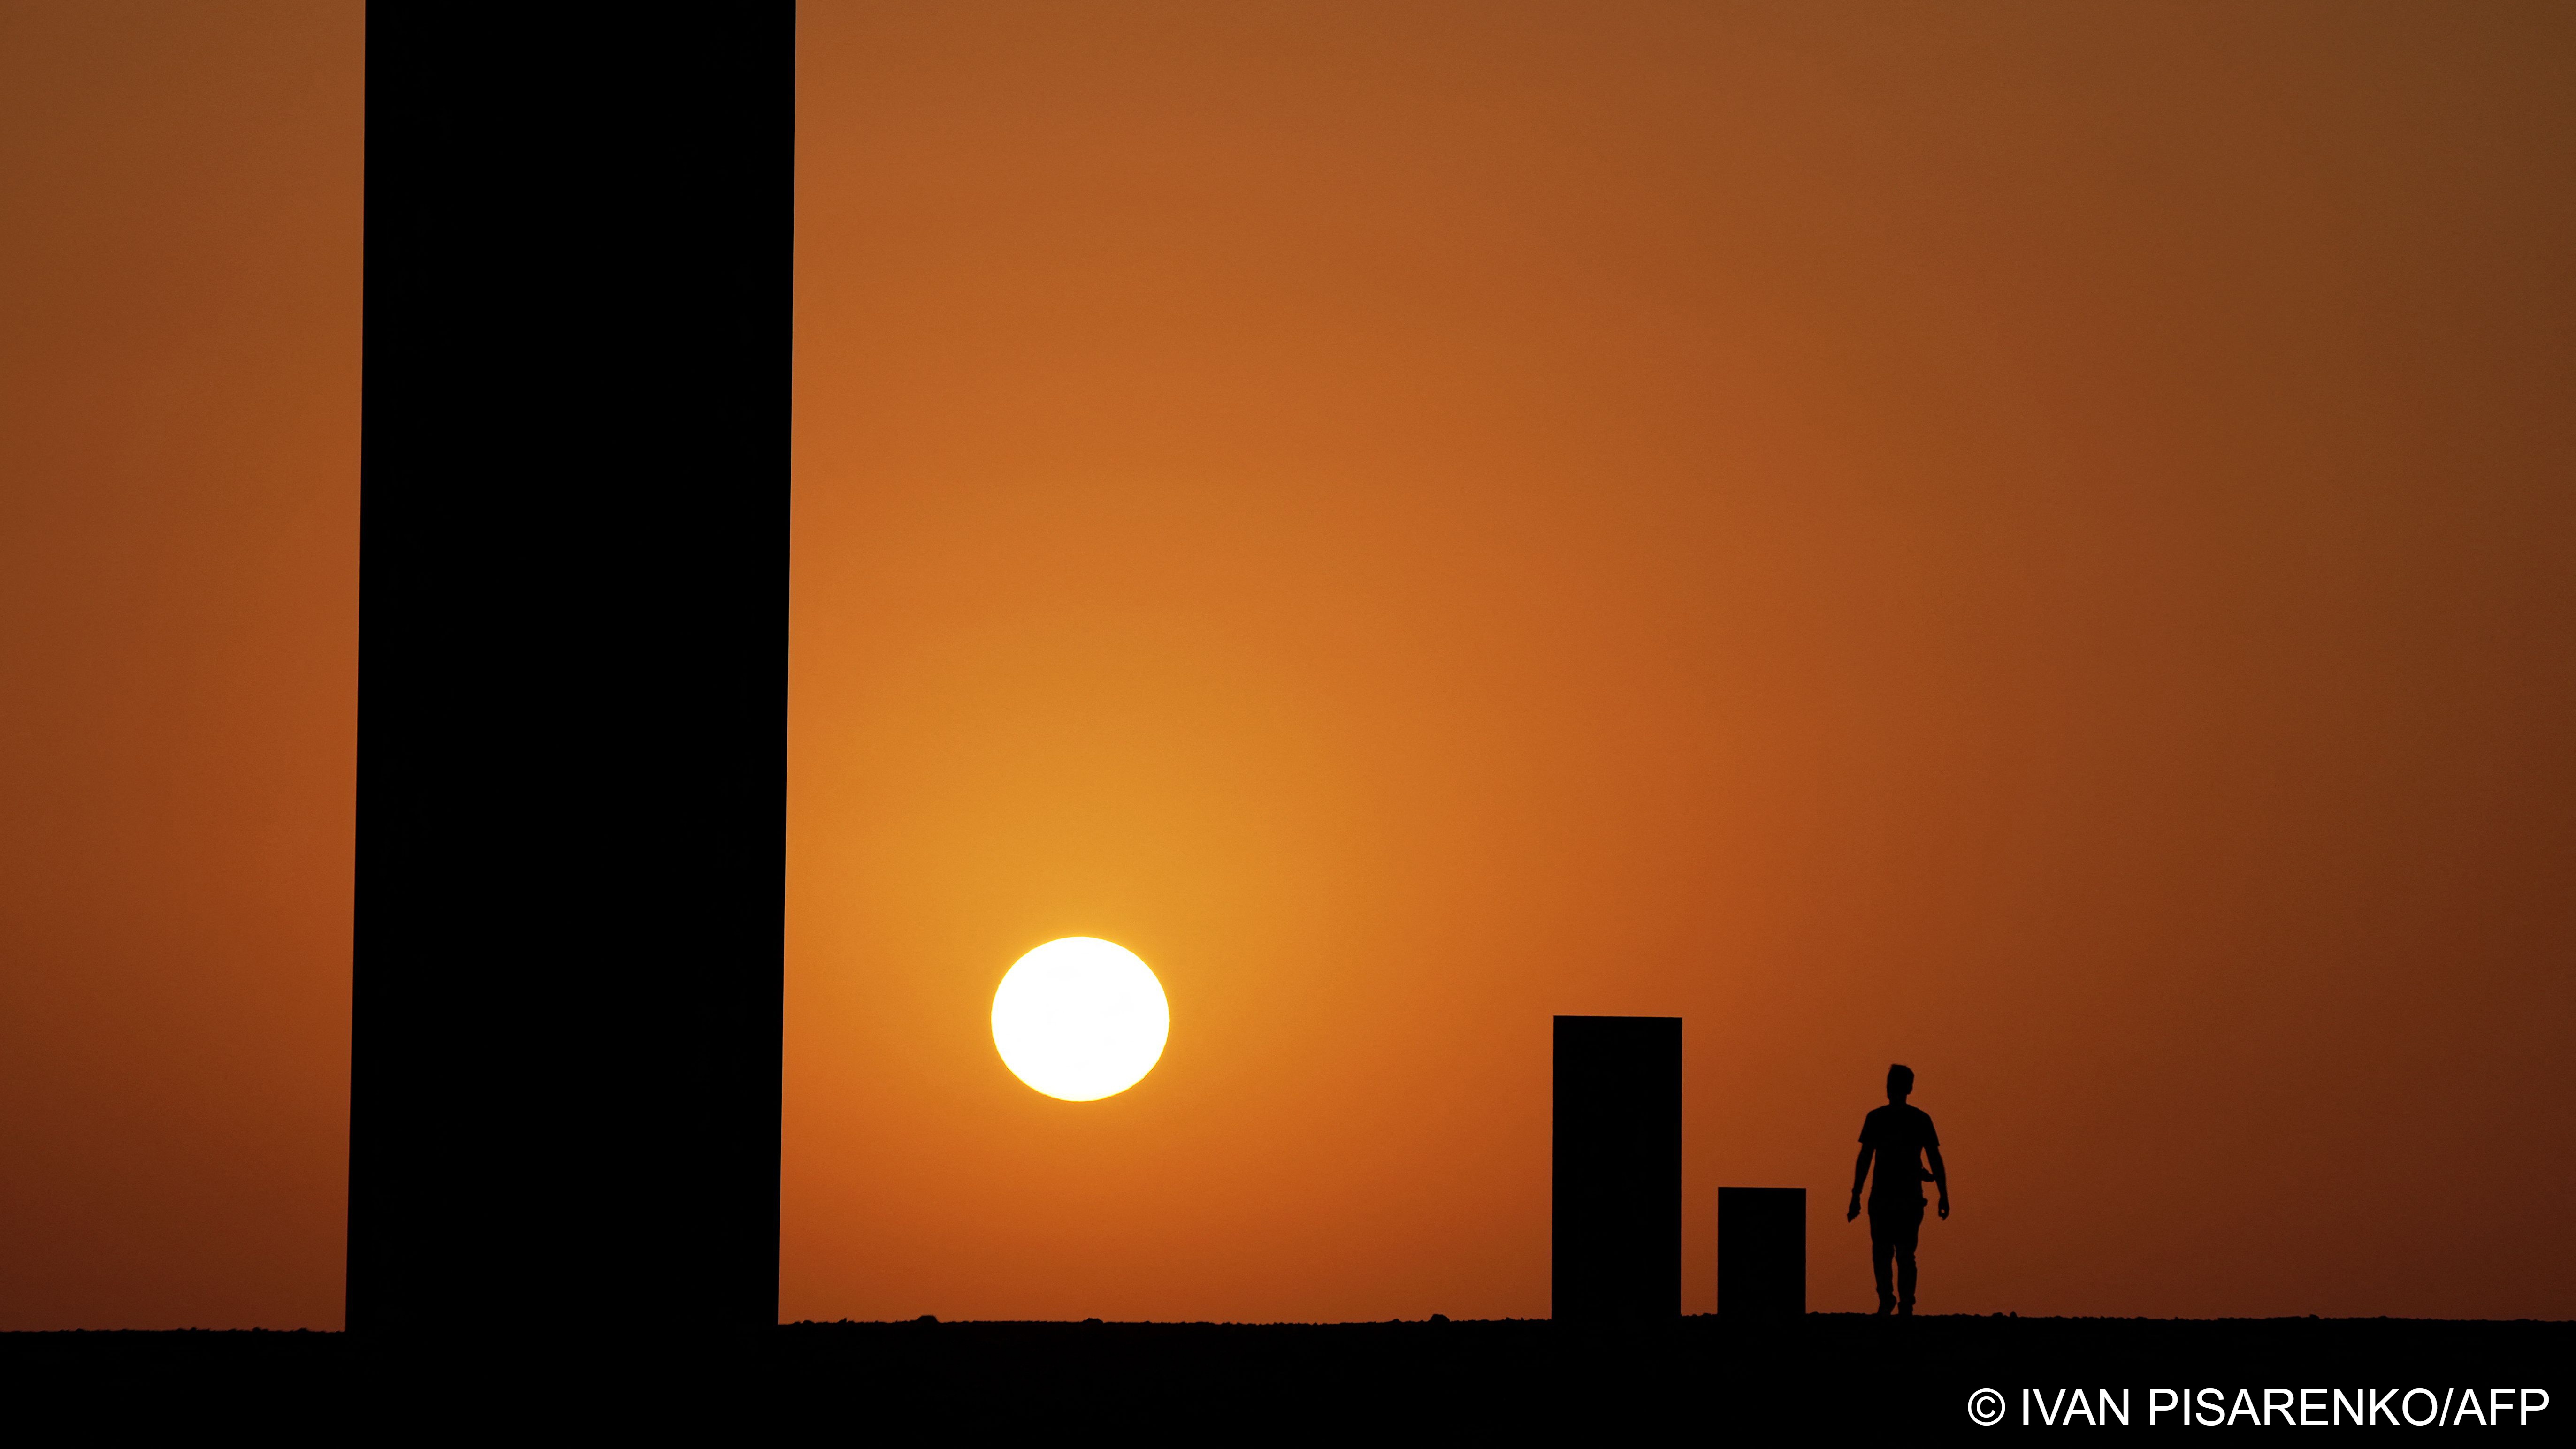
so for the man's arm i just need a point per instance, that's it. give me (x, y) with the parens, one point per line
(1940, 1178)
(1860, 1174)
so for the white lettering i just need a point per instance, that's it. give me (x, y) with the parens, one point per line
(2076, 1409)
(2383, 1402)
(2470, 1408)
(2048, 1407)
(2275, 1401)
(2244, 1409)
(2213, 1406)
(2159, 1400)
(2528, 1407)
(2308, 1411)
(2406, 1406)
(2122, 1409)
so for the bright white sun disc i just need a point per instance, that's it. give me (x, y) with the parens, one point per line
(1080, 1019)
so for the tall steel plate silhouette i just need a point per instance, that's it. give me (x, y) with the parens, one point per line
(1617, 1226)
(572, 663)
(1761, 1252)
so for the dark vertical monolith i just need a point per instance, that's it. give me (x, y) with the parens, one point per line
(572, 667)
(1761, 1252)
(1617, 1229)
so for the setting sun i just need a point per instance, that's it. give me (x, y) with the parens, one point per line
(1080, 1018)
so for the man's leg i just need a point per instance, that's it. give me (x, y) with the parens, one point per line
(1880, 1252)
(1905, 1279)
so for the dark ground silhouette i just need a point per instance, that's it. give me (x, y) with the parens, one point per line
(1820, 1372)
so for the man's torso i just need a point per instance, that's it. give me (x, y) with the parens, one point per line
(1897, 1136)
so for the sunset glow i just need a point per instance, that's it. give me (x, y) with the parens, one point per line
(2028, 541)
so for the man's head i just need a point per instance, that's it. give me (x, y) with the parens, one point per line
(1900, 1082)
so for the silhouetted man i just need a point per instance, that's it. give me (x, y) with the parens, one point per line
(1899, 1136)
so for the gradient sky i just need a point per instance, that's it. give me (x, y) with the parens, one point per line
(2029, 540)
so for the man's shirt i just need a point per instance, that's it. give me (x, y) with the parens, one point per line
(1896, 1136)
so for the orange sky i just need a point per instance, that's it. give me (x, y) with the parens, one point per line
(2032, 541)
